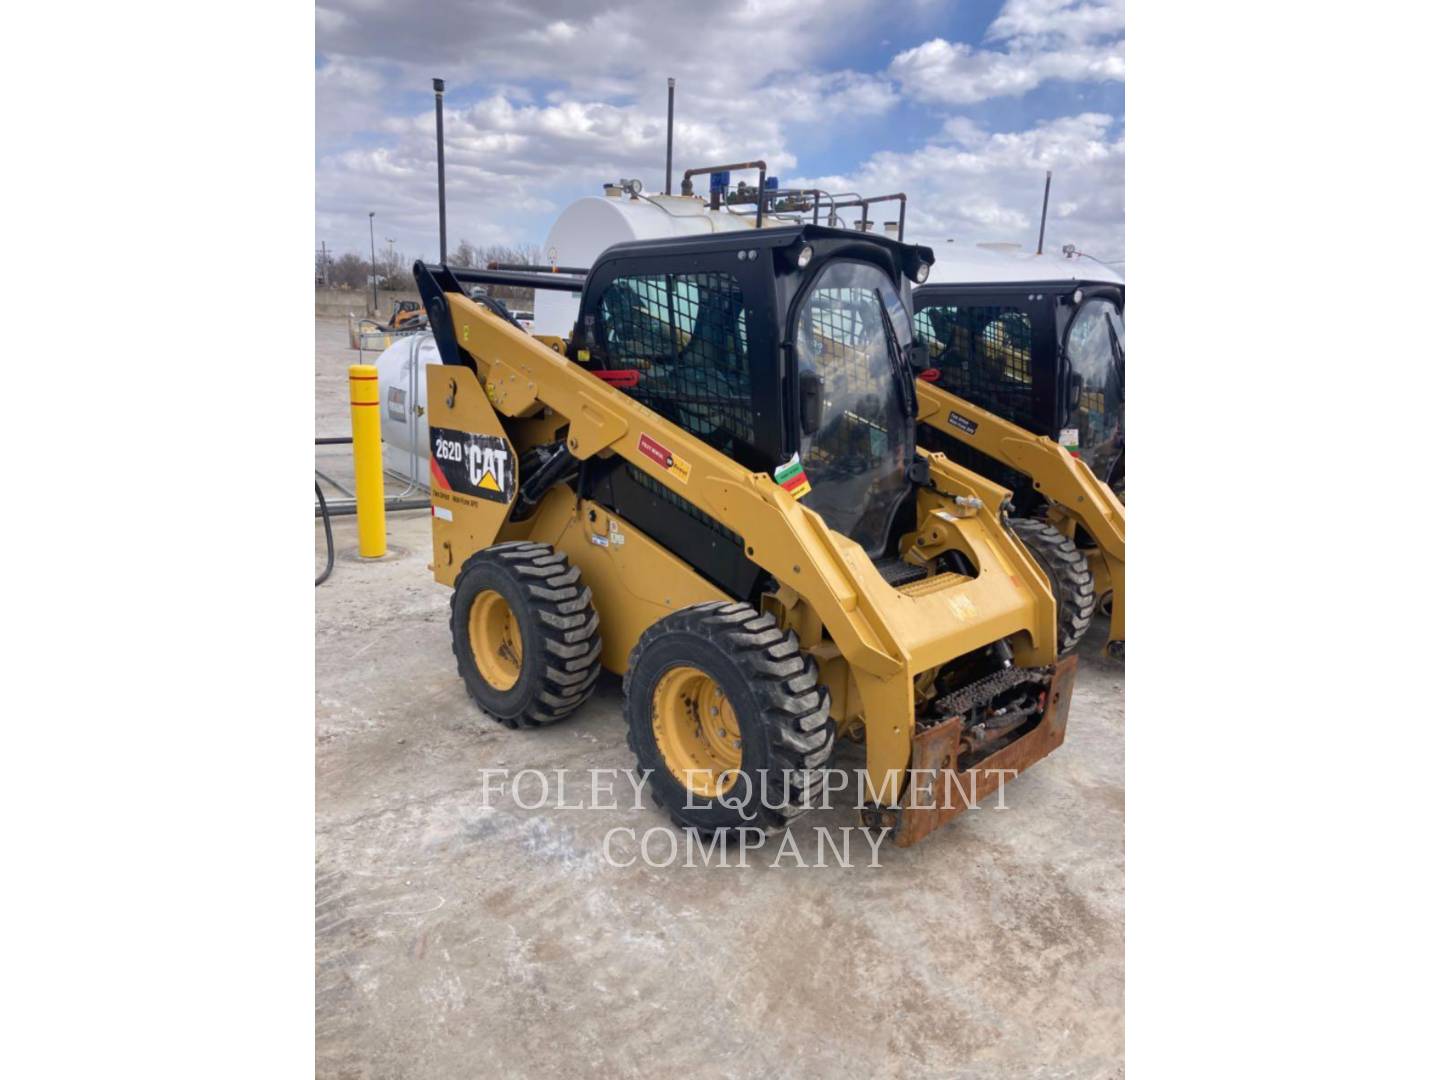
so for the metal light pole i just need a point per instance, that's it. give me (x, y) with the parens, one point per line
(440, 159)
(669, 133)
(374, 283)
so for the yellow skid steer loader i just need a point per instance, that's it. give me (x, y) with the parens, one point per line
(714, 490)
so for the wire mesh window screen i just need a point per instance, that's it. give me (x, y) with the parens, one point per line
(685, 335)
(983, 354)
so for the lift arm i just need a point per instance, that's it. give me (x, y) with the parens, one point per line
(1058, 475)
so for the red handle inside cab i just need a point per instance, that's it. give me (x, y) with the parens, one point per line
(624, 380)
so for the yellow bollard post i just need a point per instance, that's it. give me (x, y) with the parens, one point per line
(369, 475)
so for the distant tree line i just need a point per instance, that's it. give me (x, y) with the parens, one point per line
(393, 268)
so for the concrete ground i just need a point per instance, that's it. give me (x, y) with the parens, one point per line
(459, 939)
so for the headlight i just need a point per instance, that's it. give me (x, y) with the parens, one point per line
(1078, 295)
(921, 273)
(806, 254)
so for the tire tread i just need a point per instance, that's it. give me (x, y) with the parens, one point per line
(1069, 573)
(794, 703)
(568, 622)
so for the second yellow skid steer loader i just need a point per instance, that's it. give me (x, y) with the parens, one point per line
(1026, 385)
(715, 491)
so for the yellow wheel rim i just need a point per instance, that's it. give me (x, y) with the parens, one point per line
(495, 640)
(696, 731)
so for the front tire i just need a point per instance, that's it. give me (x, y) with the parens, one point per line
(525, 633)
(729, 716)
(1071, 582)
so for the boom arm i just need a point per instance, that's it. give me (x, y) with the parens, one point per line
(1062, 478)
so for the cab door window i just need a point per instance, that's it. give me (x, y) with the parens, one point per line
(985, 354)
(1095, 348)
(857, 420)
(685, 337)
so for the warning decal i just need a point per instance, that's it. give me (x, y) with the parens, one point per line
(967, 426)
(679, 467)
(472, 464)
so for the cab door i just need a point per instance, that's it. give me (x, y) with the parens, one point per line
(995, 349)
(693, 339)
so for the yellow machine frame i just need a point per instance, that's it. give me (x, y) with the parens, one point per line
(871, 640)
(1075, 493)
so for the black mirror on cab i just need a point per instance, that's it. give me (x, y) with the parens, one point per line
(810, 387)
(1077, 383)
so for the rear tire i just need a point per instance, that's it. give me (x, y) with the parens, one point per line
(525, 633)
(718, 664)
(1070, 579)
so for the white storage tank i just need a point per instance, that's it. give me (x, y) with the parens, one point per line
(403, 431)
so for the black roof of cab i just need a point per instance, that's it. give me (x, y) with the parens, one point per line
(903, 258)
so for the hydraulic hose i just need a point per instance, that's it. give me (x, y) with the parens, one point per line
(329, 537)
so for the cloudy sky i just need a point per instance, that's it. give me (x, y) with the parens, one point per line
(961, 105)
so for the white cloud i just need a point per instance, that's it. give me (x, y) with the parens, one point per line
(969, 186)
(747, 72)
(1073, 20)
(346, 94)
(507, 162)
(558, 32)
(575, 96)
(1038, 41)
(599, 52)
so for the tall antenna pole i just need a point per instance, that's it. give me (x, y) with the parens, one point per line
(374, 281)
(440, 159)
(669, 133)
(1044, 210)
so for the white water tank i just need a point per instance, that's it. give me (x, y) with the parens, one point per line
(403, 431)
